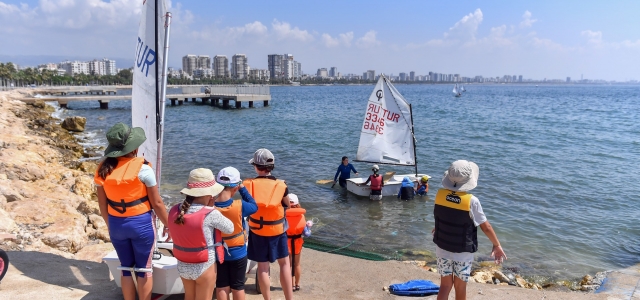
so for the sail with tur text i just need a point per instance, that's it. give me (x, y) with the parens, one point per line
(386, 135)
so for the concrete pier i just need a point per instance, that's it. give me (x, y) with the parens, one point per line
(104, 104)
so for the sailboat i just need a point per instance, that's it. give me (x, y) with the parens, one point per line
(462, 89)
(386, 137)
(456, 91)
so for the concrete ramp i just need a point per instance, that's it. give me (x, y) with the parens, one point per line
(622, 284)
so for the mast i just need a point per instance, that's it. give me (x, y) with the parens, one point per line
(163, 95)
(413, 135)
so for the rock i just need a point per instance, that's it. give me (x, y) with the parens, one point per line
(496, 281)
(102, 231)
(89, 208)
(74, 123)
(385, 288)
(434, 270)
(521, 282)
(83, 186)
(586, 280)
(589, 287)
(88, 167)
(6, 222)
(482, 277)
(39, 104)
(500, 276)
(94, 252)
(503, 283)
(10, 194)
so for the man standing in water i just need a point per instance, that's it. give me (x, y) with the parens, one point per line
(344, 170)
(457, 215)
(267, 235)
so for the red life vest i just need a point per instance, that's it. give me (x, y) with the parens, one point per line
(376, 182)
(297, 223)
(189, 242)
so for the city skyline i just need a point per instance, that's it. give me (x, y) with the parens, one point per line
(540, 40)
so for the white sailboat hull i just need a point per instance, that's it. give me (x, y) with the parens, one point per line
(391, 188)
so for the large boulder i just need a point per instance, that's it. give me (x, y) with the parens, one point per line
(94, 252)
(74, 123)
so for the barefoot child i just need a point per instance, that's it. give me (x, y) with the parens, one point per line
(457, 216)
(298, 228)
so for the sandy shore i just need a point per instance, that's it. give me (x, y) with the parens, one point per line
(57, 254)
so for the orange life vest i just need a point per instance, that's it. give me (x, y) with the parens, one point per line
(376, 182)
(233, 212)
(126, 194)
(189, 242)
(297, 223)
(268, 193)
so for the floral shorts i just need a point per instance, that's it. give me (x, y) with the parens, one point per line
(461, 269)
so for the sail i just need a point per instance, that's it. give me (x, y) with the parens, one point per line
(386, 135)
(148, 66)
(455, 89)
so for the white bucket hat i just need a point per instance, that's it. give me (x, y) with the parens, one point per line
(202, 183)
(461, 176)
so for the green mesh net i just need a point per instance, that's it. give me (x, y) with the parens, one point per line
(342, 250)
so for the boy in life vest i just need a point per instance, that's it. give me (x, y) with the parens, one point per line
(267, 235)
(231, 273)
(376, 184)
(298, 228)
(423, 186)
(407, 189)
(457, 216)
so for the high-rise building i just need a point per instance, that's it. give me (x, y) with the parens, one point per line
(239, 66)
(402, 76)
(97, 67)
(75, 67)
(520, 78)
(202, 72)
(203, 62)
(514, 78)
(259, 74)
(297, 71)
(288, 66)
(189, 63)
(333, 72)
(412, 76)
(110, 66)
(221, 66)
(322, 73)
(369, 75)
(275, 66)
(568, 79)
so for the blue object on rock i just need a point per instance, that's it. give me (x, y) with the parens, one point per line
(417, 287)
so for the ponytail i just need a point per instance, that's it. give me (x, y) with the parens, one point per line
(107, 166)
(184, 207)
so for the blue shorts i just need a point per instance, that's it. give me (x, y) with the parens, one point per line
(134, 239)
(267, 248)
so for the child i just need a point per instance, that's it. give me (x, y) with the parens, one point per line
(457, 215)
(231, 273)
(298, 228)
(407, 189)
(344, 171)
(376, 184)
(423, 186)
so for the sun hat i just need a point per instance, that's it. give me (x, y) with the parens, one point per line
(293, 199)
(123, 139)
(229, 177)
(202, 183)
(424, 178)
(461, 176)
(263, 157)
(375, 167)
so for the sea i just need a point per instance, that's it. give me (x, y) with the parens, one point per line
(559, 165)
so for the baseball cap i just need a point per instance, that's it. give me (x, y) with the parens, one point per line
(263, 157)
(293, 199)
(229, 177)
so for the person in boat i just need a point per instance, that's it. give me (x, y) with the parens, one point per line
(231, 273)
(376, 184)
(344, 171)
(267, 227)
(407, 189)
(423, 186)
(197, 230)
(457, 215)
(298, 228)
(127, 193)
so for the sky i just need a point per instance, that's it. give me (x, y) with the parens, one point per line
(536, 39)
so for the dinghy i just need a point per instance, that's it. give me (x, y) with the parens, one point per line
(386, 137)
(456, 91)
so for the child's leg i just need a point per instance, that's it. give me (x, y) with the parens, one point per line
(461, 272)
(461, 288)
(446, 283)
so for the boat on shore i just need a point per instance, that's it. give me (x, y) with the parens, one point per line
(386, 138)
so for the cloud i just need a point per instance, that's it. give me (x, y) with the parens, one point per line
(527, 21)
(284, 31)
(593, 37)
(368, 40)
(343, 38)
(466, 28)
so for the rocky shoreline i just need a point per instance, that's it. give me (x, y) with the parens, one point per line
(47, 197)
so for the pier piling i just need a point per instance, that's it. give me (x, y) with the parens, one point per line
(104, 104)
(250, 103)
(266, 103)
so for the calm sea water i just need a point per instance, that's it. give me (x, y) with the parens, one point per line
(559, 165)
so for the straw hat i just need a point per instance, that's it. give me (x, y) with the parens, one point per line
(123, 139)
(461, 176)
(202, 183)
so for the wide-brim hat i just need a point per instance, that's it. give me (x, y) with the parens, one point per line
(123, 139)
(461, 176)
(202, 183)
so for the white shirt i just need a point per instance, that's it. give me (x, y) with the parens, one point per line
(478, 217)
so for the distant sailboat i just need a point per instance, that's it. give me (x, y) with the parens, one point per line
(456, 91)
(462, 89)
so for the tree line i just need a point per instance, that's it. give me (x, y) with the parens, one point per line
(10, 76)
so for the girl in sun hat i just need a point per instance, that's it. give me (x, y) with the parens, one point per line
(194, 227)
(231, 273)
(457, 215)
(127, 192)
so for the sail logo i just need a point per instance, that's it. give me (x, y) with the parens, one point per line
(375, 118)
(379, 94)
(144, 58)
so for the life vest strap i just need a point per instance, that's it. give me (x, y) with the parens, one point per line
(241, 233)
(121, 206)
(297, 236)
(262, 222)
